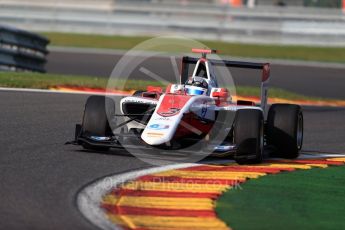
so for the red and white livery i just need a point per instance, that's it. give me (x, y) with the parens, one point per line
(195, 110)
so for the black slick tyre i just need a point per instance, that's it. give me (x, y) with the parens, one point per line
(248, 136)
(95, 119)
(285, 129)
(138, 93)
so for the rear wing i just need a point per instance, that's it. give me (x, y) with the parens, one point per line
(265, 67)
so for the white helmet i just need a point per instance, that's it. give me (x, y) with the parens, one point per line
(196, 86)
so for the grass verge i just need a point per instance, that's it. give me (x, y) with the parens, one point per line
(46, 81)
(310, 199)
(290, 52)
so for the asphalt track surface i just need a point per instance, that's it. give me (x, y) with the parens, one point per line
(40, 176)
(327, 82)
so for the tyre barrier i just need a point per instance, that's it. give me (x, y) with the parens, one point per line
(21, 50)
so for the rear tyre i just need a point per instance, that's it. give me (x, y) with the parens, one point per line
(285, 129)
(95, 120)
(249, 136)
(138, 93)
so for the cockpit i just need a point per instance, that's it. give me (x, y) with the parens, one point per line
(196, 86)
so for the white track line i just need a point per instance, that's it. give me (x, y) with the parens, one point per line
(56, 91)
(90, 198)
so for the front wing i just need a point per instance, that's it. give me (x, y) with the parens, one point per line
(133, 142)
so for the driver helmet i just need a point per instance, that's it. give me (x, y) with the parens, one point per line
(196, 86)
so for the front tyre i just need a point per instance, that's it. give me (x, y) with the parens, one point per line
(138, 93)
(95, 119)
(285, 129)
(249, 136)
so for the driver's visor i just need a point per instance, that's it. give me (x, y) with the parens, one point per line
(193, 91)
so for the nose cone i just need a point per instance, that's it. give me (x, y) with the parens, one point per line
(158, 132)
(155, 136)
(164, 121)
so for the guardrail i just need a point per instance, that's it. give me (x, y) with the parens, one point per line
(21, 50)
(282, 25)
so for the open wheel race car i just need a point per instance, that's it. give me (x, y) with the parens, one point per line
(195, 110)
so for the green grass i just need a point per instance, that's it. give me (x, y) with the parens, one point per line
(46, 81)
(310, 199)
(290, 52)
(275, 92)
(94, 41)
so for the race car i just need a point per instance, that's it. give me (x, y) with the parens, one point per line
(193, 111)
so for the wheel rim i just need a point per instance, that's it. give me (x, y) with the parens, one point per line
(300, 131)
